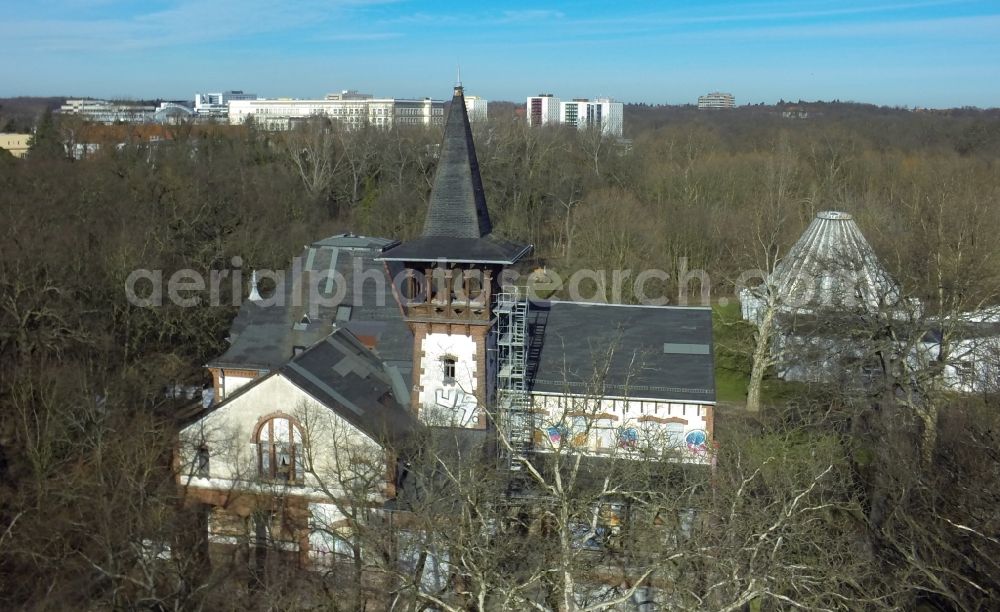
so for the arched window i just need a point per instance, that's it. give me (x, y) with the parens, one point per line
(280, 451)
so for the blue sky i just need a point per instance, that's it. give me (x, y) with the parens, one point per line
(920, 53)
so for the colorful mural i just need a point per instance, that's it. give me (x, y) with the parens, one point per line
(697, 441)
(556, 434)
(628, 438)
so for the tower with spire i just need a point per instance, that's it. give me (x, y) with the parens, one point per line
(449, 278)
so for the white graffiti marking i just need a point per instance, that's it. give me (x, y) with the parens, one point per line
(455, 399)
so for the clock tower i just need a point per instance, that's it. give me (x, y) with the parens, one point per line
(448, 282)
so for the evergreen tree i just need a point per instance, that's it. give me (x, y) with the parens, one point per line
(45, 142)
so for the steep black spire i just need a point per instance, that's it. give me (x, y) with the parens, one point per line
(457, 227)
(458, 206)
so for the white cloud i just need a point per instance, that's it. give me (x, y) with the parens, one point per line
(531, 15)
(183, 22)
(357, 36)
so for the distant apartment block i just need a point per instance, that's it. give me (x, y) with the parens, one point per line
(476, 108)
(543, 109)
(717, 99)
(600, 113)
(216, 105)
(16, 144)
(349, 108)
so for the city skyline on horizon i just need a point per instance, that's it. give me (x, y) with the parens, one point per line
(503, 100)
(934, 53)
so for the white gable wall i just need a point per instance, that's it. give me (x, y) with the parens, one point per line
(333, 446)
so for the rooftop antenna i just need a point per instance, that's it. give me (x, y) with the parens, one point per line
(254, 293)
(458, 81)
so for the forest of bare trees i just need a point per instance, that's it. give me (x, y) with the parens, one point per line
(828, 497)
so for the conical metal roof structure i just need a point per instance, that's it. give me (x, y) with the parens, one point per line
(832, 266)
(457, 227)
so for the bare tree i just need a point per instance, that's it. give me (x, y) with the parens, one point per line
(312, 150)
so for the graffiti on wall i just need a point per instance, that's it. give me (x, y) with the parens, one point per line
(463, 405)
(628, 438)
(697, 441)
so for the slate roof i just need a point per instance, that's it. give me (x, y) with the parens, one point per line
(458, 205)
(457, 226)
(341, 373)
(662, 353)
(345, 376)
(264, 335)
(490, 249)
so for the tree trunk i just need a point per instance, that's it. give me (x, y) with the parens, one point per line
(761, 359)
(928, 437)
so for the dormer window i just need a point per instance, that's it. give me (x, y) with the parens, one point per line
(448, 365)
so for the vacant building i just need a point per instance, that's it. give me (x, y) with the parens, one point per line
(369, 343)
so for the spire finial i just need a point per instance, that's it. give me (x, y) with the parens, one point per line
(458, 76)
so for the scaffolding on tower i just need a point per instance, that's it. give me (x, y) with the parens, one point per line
(512, 364)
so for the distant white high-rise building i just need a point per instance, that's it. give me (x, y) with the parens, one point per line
(543, 109)
(477, 108)
(600, 113)
(717, 99)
